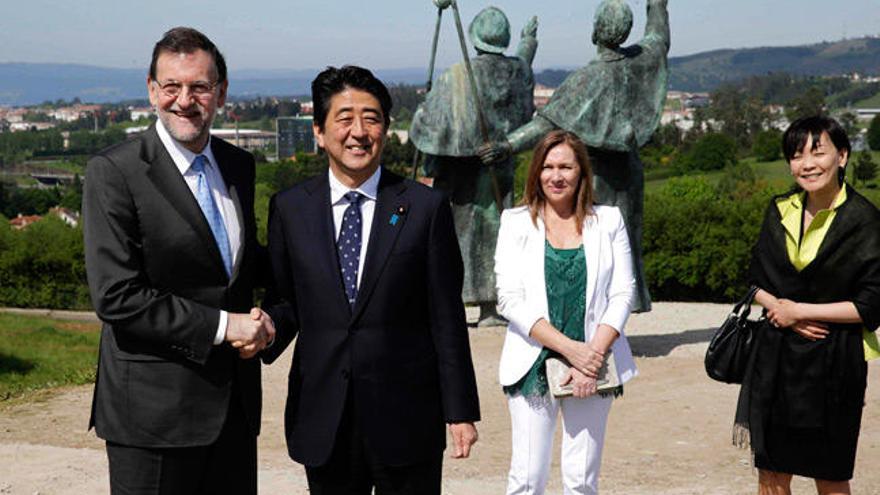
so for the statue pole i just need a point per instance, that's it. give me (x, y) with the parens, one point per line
(481, 118)
(415, 161)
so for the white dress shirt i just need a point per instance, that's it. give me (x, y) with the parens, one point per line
(369, 190)
(183, 159)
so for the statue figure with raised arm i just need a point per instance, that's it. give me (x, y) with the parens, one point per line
(446, 129)
(613, 104)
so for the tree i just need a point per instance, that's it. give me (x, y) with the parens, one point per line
(864, 168)
(740, 116)
(767, 146)
(71, 198)
(874, 133)
(663, 146)
(406, 97)
(398, 156)
(810, 102)
(31, 201)
(849, 121)
(713, 151)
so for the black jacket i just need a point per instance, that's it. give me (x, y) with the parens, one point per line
(402, 350)
(813, 387)
(157, 282)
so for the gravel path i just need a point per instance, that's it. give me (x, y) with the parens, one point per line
(668, 435)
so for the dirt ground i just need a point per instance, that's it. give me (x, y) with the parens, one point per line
(669, 434)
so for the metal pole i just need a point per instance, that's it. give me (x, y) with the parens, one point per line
(481, 118)
(415, 161)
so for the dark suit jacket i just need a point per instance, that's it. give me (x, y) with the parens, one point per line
(157, 282)
(403, 349)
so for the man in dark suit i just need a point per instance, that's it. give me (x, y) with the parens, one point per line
(368, 266)
(171, 258)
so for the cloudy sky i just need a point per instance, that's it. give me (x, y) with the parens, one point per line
(304, 34)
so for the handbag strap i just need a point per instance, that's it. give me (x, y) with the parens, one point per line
(745, 303)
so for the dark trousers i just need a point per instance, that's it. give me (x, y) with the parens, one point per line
(353, 470)
(229, 465)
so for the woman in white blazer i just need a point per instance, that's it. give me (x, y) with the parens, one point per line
(565, 283)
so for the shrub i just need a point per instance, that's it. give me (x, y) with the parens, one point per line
(697, 242)
(768, 145)
(736, 178)
(874, 133)
(864, 168)
(42, 266)
(713, 151)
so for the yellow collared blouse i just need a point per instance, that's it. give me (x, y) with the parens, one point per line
(802, 250)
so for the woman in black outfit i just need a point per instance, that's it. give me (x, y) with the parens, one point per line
(817, 265)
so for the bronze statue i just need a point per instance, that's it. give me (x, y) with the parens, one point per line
(613, 104)
(446, 128)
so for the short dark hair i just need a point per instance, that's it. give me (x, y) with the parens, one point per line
(332, 81)
(795, 137)
(187, 40)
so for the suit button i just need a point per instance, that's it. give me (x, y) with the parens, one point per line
(346, 374)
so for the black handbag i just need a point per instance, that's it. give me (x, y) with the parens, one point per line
(728, 354)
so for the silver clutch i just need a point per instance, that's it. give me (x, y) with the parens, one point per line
(557, 371)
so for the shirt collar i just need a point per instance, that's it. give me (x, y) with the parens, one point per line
(841, 198)
(369, 189)
(790, 210)
(797, 199)
(182, 156)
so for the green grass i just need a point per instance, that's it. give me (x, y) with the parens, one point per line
(776, 173)
(38, 353)
(66, 166)
(872, 102)
(56, 166)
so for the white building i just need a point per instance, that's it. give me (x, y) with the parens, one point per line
(138, 113)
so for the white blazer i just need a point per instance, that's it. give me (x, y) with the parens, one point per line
(522, 292)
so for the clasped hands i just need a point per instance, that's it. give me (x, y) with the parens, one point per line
(785, 313)
(250, 333)
(585, 362)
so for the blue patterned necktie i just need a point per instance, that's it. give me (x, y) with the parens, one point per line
(348, 245)
(211, 212)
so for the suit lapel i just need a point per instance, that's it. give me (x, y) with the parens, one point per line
(592, 245)
(171, 184)
(319, 221)
(383, 234)
(538, 244)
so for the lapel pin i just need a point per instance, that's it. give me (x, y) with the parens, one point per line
(396, 216)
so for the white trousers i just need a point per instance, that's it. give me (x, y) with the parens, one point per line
(532, 427)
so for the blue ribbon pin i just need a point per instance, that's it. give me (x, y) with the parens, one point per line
(396, 216)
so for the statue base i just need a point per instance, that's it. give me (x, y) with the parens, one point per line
(489, 316)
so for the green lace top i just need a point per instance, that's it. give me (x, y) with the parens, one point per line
(565, 276)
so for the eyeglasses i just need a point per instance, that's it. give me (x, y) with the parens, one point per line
(199, 89)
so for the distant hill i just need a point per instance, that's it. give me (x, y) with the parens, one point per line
(28, 84)
(31, 84)
(707, 70)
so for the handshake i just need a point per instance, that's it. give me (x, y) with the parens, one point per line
(250, 333)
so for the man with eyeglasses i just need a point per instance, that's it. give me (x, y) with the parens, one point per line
(172, 261)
